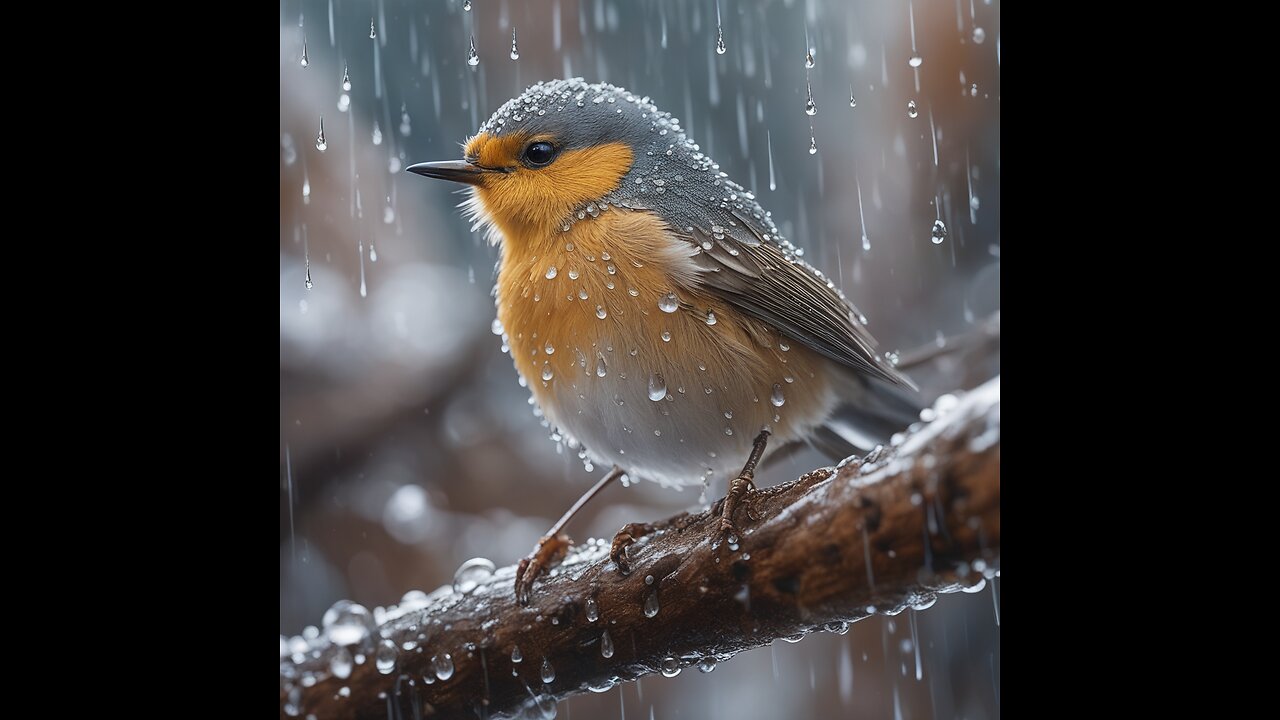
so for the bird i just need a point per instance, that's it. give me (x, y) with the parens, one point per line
(661, 321)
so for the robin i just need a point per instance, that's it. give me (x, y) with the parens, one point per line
(661, 321)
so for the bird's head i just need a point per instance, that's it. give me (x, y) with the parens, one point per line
(563, 149)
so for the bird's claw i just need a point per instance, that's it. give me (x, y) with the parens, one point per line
(549, 551)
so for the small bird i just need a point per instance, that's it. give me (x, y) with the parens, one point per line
(661, 321)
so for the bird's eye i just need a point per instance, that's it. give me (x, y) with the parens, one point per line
(539, 154)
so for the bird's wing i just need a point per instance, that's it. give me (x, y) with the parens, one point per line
(750, 268)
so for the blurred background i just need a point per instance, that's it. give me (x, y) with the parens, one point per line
(407, 445)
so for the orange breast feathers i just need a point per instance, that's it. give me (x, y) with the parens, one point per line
(603, 292)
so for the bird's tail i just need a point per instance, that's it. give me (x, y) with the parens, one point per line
(871, 411)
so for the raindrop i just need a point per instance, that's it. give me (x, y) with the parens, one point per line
(601, 312)
(973, 91)
(666, 336)
(979, 35)
(547, 372)
(813, 143)
(309, 283)
(651, 602)
(939, 232)
(606, 645)
(340, 664)
(385, 659)
(711, 317)
(549, 348)
(853, 101)
(321, 144)
(773, 185)
(838, 627)
(915, 60)
(466, 5)
(548, 672)
(657, 391)
(808, 59)
(593, 610)
(373, 32)
(516, 657)
(471, 573)
(405, 127)
(670, 667)
(347, 623)
(346, 79)
(720, 48)
(306, 190)
(601, 370)
(515, 53)
(809, 107)
(473, 58)
(443, 665)
(293, 704)
(777, 398)
(551, 272)
(377, 133)
(304, 61)
(911, 109)
(707, 664)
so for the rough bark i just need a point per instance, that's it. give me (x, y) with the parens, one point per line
(878, 535)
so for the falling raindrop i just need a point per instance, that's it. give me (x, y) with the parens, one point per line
(915, 60)
(515, 52)
(466, 5)
(443, 665)
(668, 303)
(309, 283)
(979, 35)
(773, 185)
(939, 232)
(373, 32)
(808, 58)
(405, 127)
(606, 645)
(651, 602)
(346, 79)
(385, 658)
(548, 672)
(471, 573)
(973, 91)
(321, 144)
(911, 109)
(813, 143)
(853, 101)
(670, 667)
(809, 107)
(473, 58)
(377, 133)
(304, 61)
(593, 610)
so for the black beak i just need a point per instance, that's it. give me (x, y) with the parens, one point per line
(455, 170)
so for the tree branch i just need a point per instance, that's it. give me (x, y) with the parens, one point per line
(876, 536)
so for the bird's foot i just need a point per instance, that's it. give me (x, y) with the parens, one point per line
(549, 551)
(631, 532)
(739, 490)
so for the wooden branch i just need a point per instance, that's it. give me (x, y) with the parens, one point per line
(875, 536)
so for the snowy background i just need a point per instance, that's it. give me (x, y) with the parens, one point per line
(406, 444)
